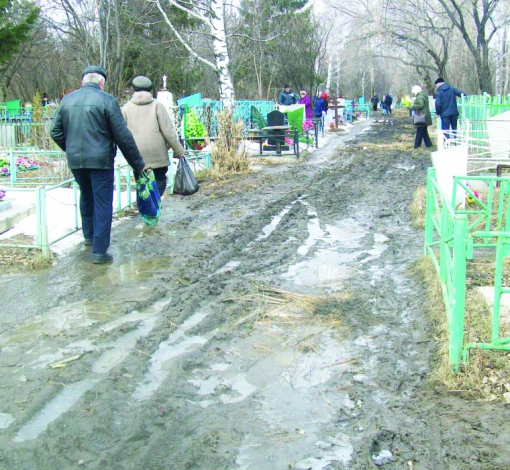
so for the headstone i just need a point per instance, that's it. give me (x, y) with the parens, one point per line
(275, 118)
(448, 163)
(276, 139)
(166, 99)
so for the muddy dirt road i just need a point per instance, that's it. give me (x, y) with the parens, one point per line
(269, 322)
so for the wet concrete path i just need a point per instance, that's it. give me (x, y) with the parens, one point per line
(269, 322)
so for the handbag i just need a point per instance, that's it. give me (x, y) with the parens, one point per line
(419, 119)
(148, 199)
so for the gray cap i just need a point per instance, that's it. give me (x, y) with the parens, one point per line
(141, 83)
(94, 69)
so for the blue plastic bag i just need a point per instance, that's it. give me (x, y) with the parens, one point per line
(148, 199)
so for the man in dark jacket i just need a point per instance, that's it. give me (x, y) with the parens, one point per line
(287, 97)
(89, 126)
(446, 106)
(389, 102)
(375, 102)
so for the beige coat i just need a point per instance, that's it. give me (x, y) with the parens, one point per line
(152, 129)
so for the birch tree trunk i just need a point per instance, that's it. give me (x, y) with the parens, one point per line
(217, 25)
(118, 56)
(214, 19)
(330, 72)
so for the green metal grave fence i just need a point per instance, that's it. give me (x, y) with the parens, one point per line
(451, 236)
(47, 166)
(123, 199)
(44, 239)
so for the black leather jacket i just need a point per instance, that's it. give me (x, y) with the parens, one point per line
(89, 126)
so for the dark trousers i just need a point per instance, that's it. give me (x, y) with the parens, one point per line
(422, 133)
(374, 107)
(96, 199)
(447, 122)
(160, 177)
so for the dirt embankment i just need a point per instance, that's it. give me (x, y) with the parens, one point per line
(269, 322)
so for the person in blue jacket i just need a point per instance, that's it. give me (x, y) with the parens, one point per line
(446, 106)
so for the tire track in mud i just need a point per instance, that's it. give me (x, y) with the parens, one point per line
(249, 395)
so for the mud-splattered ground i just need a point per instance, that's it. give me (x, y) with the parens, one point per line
(271, 321)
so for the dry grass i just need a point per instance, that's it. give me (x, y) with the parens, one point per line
(418, 206)
(228, 153)
(487, 374)
(282, 306)
(19, 260)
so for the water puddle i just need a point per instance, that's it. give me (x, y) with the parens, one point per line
(295, 401)
(379, 247)
(87, 345)
(335, 252)
(54, 409)
(122, 347)
(115, 352)
(326, 267)
(275, 221)
(238, 389)
(6, 420)
(177, 344)
(133, 271)
(271, 226)
(337, 449)
(316, 233)
(137, 315)
(61, 319)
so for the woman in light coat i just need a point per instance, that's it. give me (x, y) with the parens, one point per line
(421, 106)
(152, 130)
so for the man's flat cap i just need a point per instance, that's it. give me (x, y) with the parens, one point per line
(141, 83)
(94, 69)
(439, 80)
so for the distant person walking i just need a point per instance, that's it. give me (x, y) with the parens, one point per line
(446, 106)
(152, 129)
(389, 100)
(89, 126)
(384, 105)
(326, 101)
(375, 102)
(305, 99)
(421, 106)
(287, 97)
(319, 110)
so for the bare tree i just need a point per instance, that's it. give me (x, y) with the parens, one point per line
(410, 31)
(477, 21)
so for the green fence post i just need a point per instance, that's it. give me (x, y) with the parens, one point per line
(12, 165)
(75, 195)
(38, 236)
(445, 235)
(43, 223)
(460, 228)
(117, 189)
(497, 288)
(429, 208)
(128, 185)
